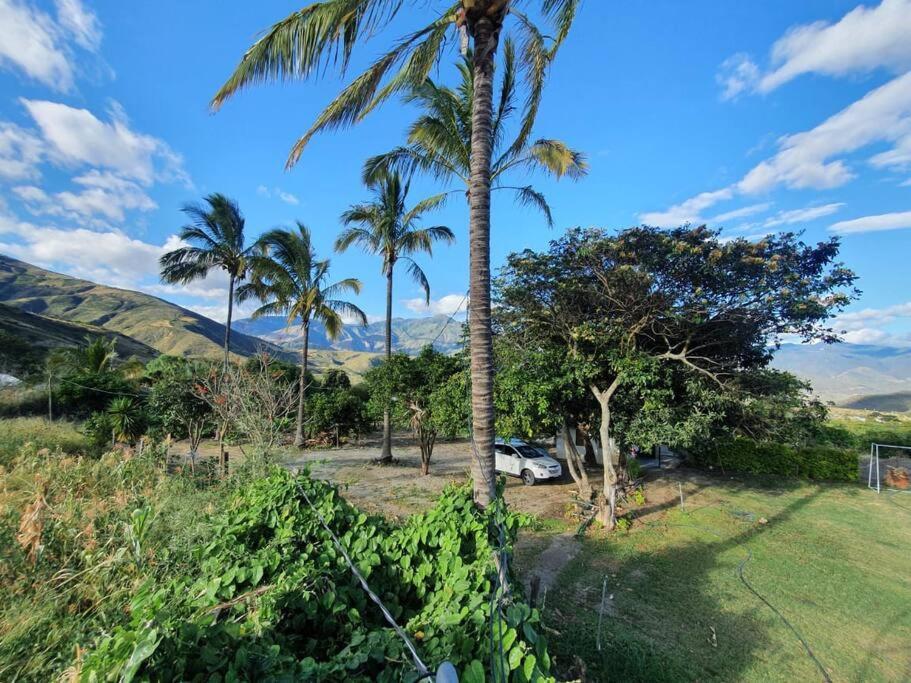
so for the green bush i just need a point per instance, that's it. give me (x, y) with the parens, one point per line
(37, 433)
(272, 599)
(756, 457)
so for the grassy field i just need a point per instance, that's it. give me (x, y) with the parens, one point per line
(834, 560)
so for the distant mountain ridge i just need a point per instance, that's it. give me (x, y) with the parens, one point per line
(153, 322)
(841, 372)
(409, 335)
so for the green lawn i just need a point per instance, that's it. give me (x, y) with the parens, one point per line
(835, 560)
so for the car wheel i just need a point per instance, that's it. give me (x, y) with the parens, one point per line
(528, 478)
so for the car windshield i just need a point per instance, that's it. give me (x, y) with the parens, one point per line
(529, 452)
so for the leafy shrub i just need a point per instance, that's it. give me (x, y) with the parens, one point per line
(39, 434)
(757, 457)
(272, 599)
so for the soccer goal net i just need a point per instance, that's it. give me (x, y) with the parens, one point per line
(889, 467)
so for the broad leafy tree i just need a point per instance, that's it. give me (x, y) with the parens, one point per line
(417, 390)
(324, 34)
(625, 306)
(288, 279)
(386, 227)
(215, 240)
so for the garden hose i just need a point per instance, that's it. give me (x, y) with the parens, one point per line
(749, 556)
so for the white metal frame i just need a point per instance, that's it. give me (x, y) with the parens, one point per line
(874, 462)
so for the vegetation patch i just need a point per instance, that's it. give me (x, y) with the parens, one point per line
(756, 457)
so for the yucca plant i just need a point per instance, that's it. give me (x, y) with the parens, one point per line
(324, 34)
(386, 227)
(126, 419)
(216, 241)
(289, 280)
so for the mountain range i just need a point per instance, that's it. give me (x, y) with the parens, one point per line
(848, 372)
(408, 334)
(47, 309)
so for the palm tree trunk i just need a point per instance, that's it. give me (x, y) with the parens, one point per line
(386, 452)
(481, 340)
(302, 392)
(228, 324)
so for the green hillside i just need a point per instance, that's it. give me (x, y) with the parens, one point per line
(152, 322)
(42, 334)
(898, 402)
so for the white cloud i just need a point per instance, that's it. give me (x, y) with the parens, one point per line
(82, 24)
(445, 305)
(736, 75)
(884, 221)
(688, 211)
(111, 258)
(41, 46)
(105, 195)
(76, 137)
(277, 193)
(802, 215)
(810, 159)
(20, 153)
(739, 213)
(868, 326)
(865, 39)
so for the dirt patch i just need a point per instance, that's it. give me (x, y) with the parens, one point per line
(399, 489)
(559, 552)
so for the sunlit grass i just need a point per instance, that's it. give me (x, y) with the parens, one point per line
(832, 559)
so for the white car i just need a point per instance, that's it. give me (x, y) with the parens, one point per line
(519, 459)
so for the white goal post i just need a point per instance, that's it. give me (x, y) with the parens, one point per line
(878, 462)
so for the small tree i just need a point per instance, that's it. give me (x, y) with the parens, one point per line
(624, 306)
(173, 404)
(254, 401)
(410, 385)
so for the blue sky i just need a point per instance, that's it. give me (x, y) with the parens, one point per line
(752, 117)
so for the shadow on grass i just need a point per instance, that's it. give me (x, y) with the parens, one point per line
(668, 620)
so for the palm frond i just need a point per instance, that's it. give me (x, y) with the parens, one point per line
(429, 204)
(528, 196)
(558, 159)
(306, 42)
(418, 275)
(364, 94)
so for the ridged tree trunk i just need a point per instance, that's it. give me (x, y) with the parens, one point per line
(386, 453)
(228, 324)
(481, 341)
(302, 392)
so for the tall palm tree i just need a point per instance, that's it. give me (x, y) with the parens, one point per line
(385, 227)
(439, 141)
(324, 34)
(215, 235)
(288, 278)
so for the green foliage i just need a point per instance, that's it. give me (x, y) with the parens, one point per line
(755, 457)
(127, 419)
(98, 429)
(859, 435)
(34, 434)
(98, 529)
(271, 598)
(334, 406)
(172, 403)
